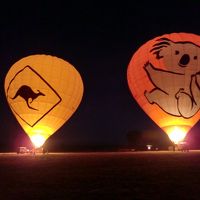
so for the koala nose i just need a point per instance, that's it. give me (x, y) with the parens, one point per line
(185, 59)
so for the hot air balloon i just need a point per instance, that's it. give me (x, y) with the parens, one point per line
(164, 77)
(43, 92)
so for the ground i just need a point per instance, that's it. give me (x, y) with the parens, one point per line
(107, 175)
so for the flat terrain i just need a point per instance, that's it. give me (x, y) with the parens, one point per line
(111, 175)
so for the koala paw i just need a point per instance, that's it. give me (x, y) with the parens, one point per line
(198, 80)
(148, 96)
(146, 65)
(179, 93)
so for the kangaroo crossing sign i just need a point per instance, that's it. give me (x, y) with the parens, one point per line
(31, 95)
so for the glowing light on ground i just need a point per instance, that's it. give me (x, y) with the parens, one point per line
(38, 140)
(177, 134)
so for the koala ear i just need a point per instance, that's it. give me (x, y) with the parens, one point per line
(158, 54)
(158, 47)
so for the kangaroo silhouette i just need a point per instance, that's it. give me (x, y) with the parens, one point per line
(27, 93)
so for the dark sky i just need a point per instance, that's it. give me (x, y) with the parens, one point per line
(99, 39)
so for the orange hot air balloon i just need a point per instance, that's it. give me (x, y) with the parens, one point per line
(164, 78)
(43, 92)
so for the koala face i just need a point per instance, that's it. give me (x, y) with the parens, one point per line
(178, 57)
(181, 58)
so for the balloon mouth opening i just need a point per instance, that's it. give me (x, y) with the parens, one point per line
(37, 140)
(177, 133)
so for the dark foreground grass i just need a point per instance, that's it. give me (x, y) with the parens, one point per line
(133, 175)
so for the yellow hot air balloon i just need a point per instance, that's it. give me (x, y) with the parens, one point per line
(43, 91)
(164, 78)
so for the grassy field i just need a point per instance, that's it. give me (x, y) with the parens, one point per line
(114, 175)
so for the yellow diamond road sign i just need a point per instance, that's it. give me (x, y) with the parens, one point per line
(36, 97)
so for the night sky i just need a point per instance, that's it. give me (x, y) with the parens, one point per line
(99, 39)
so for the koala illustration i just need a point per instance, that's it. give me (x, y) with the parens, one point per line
(177, 89)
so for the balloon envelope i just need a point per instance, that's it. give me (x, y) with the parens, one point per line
(43, 92)
(164, 78)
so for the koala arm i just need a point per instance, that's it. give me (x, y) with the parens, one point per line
(160, 78)
(189, 105)
(195, 89)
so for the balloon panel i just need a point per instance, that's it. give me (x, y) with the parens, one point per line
(164, 78)
(43, 92)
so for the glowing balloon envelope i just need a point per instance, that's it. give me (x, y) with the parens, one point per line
(164, 78)
(43, 92)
